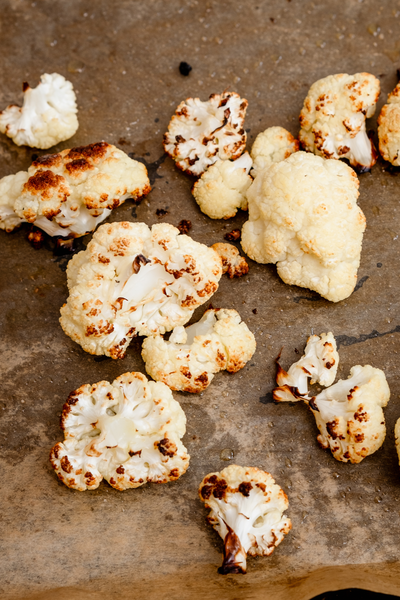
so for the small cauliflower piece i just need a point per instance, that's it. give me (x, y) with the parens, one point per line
(131, 281)
(397, 437)
(190, 358)
(127, 432)
(333, 118)
(200, 133)
(48, 115)
(319, 363)
(271, 146)
(246, 508)
(70, 193)
(349, 414)
(389, 128)
(303, 216)
(232, 263)
(221, 190)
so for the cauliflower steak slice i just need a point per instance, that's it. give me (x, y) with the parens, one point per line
(190, 358)
(303, 216)
(246, 508)
(333, 118)
(271, 146)
(127, 432)
(200, 133)
(47, 117)
(135, 281)
(389, 128)
(70, 193)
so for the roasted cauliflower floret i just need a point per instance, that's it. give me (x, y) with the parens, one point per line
(397, 437)
(246, 508)
(271, 146)
(200, 133)
(48, 115)
(303, 216)
(333, 118)
(128, 432)
(389, 128)
(232, 263)
(70, 193)
(190, 358)
(221, 190)
(319, 363)
(131, 281)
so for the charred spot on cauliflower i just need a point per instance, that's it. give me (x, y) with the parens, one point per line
(48, 115)
(199, 132)
(232, 263)
(190, 358)
(127, 432)
(132, 281)
(246, 508)
(271, 146)
(389, 128)
(333, 118)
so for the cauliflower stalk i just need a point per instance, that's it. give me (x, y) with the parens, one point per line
(190, 358)
(200, 133)
(48, 115)
(389, 128)
(131, 281)
(303, 216)
(70, 193)
(271, 146)
(333, 118)
(246, 508)
(221, 190)
(127, 432)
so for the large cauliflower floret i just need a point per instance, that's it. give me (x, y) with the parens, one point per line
(232, 263)
(128, 432)
(247, 509)
(333, 118)
(70, 193)
(271, 146)
(389, 128)
(190, 358)
(349, 414)
(221, 190)
(303, 215)
(131, 281)
(47, 117)
(319, 363)
(200, 133)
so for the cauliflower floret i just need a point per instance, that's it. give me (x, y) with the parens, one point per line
(128, 432)
(247, 509)
(232, 263)
(221, 190)
(397, 437)
(47, 117)
(271, 146)
(191, 357)
(333, 118)
(200, 133)
(131, 281)
(319, 363)
(389, 128)
(303, 215)
(349, 414)
(70, 193)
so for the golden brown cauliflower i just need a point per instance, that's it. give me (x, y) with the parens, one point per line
(389, 128)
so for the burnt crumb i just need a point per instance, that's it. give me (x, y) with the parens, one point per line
(156, 120)
(64, 246)
(379, 265)
(254, 311)
(34, 157)
(122, 142)
(184, 226)
(36, 238)
(161, 212)
(233, 236)
(272, 20)
(296, 351)
(184, 68)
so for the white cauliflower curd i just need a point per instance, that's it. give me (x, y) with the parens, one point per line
(389, 128)
(190, 358)
(246, 508)
(271, 146)
(333, 118)
(48, 115)
(200, 133)
(131, 281)
(70, 193)
(221, 190)
(303, 216)
(127, 432)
